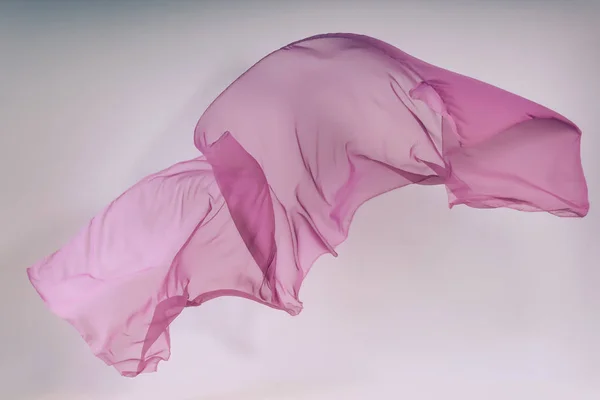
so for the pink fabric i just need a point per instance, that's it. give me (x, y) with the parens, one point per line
(289, 152)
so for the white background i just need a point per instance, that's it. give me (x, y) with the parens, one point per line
(423, 302)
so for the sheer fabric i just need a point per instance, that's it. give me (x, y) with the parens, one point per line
(289, 151)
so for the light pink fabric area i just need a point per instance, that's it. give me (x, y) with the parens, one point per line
(289, 152)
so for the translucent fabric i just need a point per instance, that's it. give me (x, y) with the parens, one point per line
(289, 151)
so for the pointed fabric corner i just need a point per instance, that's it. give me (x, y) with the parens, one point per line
(290, 151)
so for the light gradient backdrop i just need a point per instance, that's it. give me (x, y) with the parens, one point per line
(461, 304)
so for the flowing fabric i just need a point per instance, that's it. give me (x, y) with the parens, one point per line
(289, 151)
